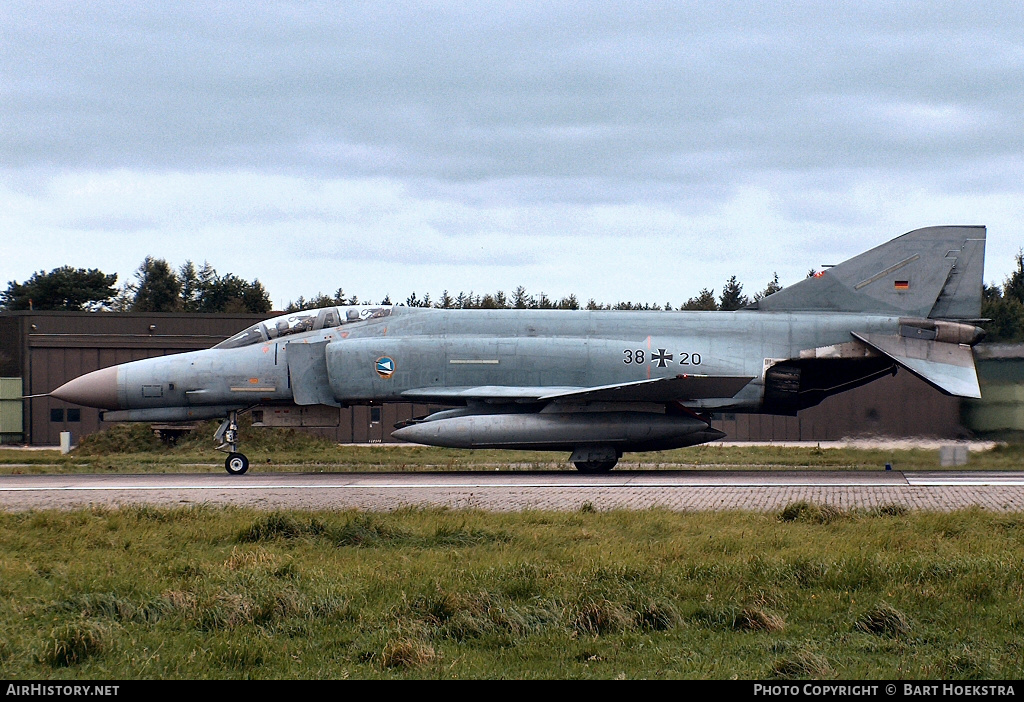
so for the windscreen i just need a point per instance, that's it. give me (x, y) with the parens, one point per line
(304, 321)
(252, 335)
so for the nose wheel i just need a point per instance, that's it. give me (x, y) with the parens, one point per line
(236, 463)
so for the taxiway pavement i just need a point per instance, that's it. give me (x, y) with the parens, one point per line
(511, 491)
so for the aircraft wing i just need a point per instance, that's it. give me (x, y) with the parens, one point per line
(485, 392)
(680, 387)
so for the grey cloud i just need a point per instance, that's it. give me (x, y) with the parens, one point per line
(435, 251)
(665, 101)
(111, 224)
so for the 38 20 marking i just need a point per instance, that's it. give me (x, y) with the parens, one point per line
(661, 357)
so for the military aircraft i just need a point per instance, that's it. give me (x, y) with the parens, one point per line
(593, 383)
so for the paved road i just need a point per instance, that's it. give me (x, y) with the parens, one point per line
(677, 490)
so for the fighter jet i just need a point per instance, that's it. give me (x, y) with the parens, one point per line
(593, 383)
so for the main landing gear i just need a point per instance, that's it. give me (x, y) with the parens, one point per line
(594, 466)
(595, 459)
(236, 463)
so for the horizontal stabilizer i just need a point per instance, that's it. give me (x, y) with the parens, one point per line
(948, 367)
(683, 387)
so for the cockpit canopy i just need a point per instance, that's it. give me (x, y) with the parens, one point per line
(297, 322)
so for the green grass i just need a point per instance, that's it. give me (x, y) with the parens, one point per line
(236, 593)
(133, 448)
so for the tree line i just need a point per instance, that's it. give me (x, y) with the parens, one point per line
(158, 287)
(1004, 305)
(732, 298)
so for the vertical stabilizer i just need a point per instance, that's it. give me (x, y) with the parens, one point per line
(932, 272)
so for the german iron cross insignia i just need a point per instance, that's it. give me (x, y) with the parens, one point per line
(661, 357)
(385, 367)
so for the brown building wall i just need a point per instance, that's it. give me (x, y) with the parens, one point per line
(52, 367)
(10, 347)
(53, 347)
(900, 406)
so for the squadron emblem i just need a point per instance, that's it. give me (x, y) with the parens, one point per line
(385, 367)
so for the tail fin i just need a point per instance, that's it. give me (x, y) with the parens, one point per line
(933, 272)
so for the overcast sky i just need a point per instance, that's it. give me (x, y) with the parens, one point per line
(618, 151)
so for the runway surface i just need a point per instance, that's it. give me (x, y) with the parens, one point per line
(676, 490)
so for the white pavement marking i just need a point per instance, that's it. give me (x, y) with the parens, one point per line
(707, 479)
(965, 477)
(704, 490)
(450, 486)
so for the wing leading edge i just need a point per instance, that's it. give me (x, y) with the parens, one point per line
(680, 387)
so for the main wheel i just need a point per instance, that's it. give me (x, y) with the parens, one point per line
(595, 466)
(236, 463)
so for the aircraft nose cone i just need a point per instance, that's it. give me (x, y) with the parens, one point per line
(96, 389)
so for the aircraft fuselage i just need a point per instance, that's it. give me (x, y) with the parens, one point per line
(594, 382)
(451, 349)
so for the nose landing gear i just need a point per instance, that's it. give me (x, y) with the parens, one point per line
(236, 463)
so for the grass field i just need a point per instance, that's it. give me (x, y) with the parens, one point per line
(809, 592)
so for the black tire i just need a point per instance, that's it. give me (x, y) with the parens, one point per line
(236, 463)
(591, 467)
